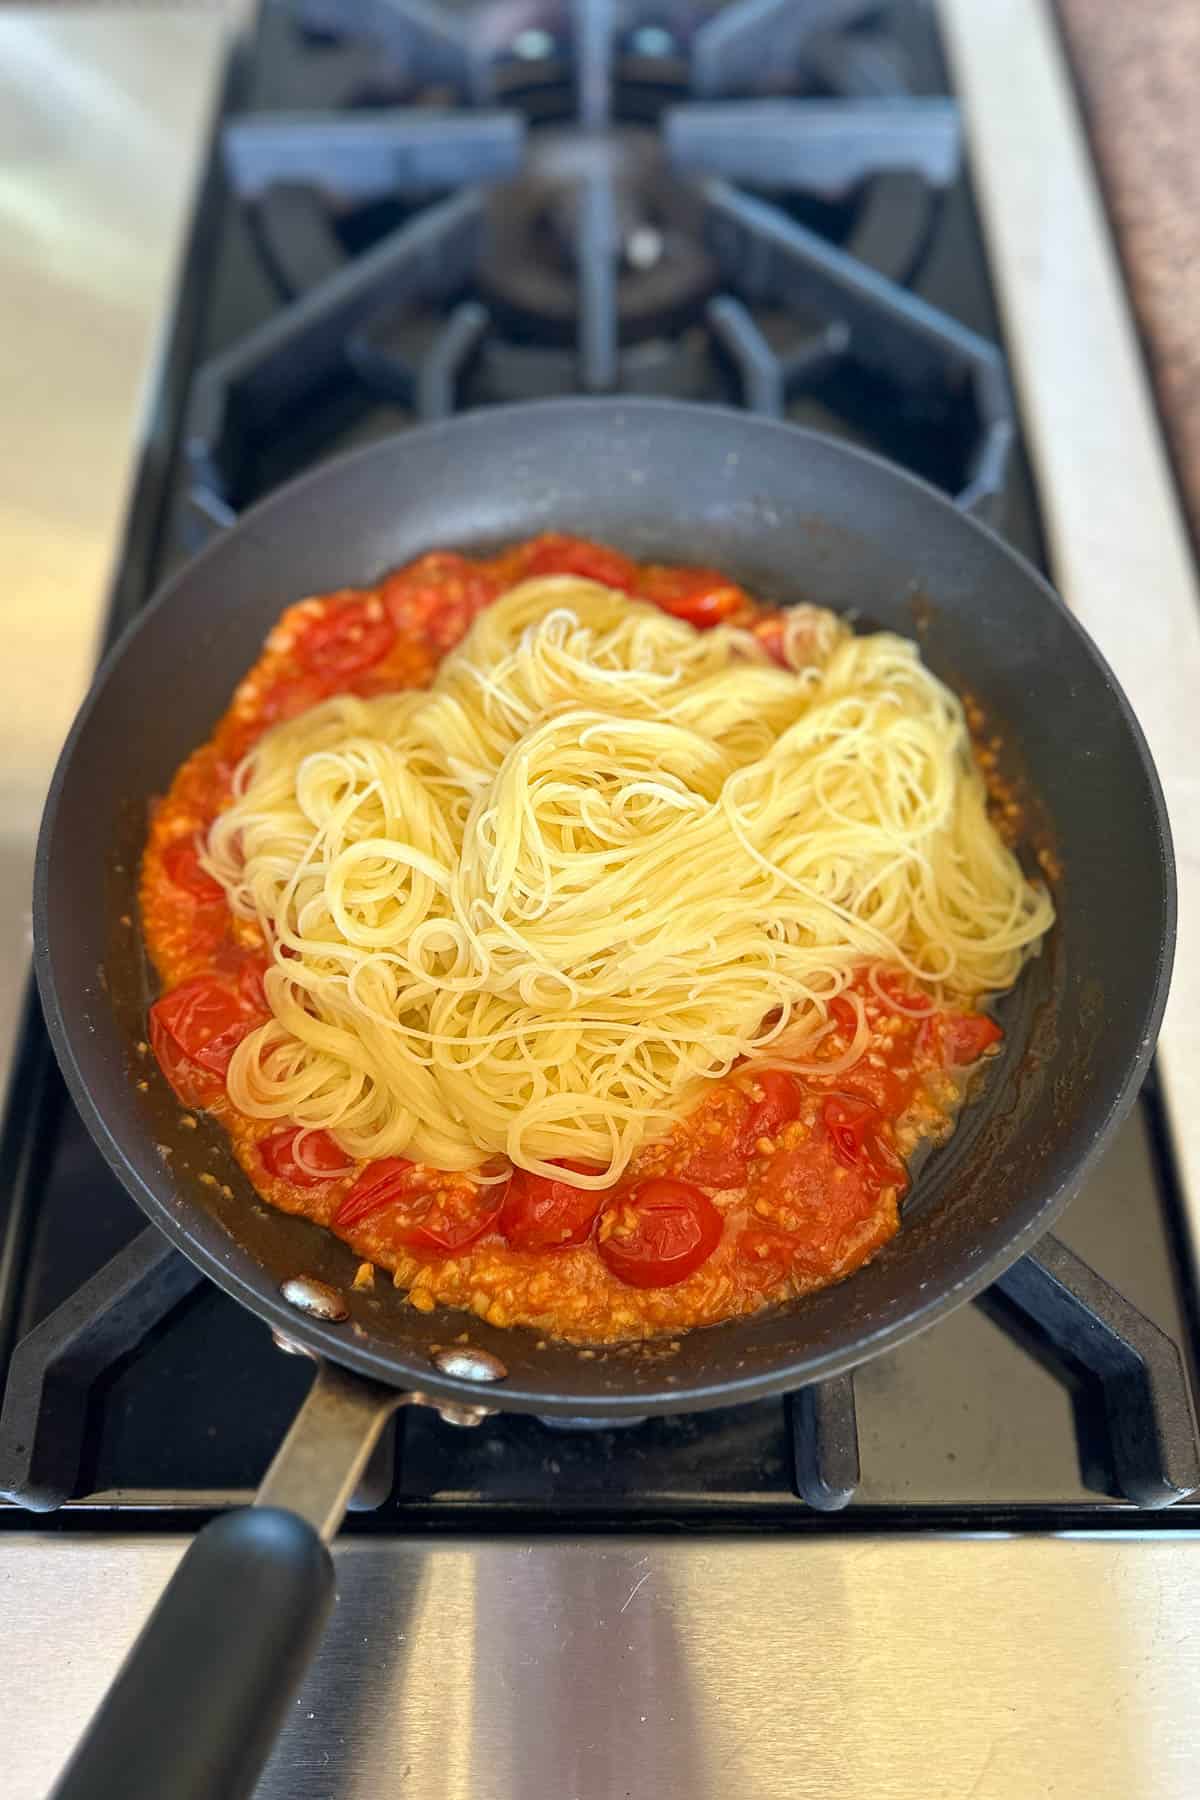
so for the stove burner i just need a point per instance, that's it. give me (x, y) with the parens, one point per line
(559, 212)
(536, 257)
(681, 367)
(1050, 1298)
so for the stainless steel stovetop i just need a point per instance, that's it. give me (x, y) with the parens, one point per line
(773, 209)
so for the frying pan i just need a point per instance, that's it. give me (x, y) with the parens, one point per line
(796, 517)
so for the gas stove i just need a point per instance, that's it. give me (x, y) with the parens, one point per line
(410, 210)
(583, 202)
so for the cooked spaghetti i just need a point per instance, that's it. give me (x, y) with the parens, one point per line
(527, 916)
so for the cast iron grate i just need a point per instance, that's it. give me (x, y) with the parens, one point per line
(1083, 1323)
(604, 198)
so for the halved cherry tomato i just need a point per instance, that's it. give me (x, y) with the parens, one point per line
(435, 1214)
(766, 1253)
(208, 930)
(843, 1014)
(716, 1165)
(347, 638)
(538, 1213)
(877, 1083)
(437, 596)
(193, 1085)
(378, 1186)
(181, 866)
(797, 649)
(965, 1036)
(958, 1038)
(807, 1194)
(795, 1185)
(887, 1162)
(857, 1134)
(700, 596)
(291, 697)
(250, 982)
(769, 632)
(716, 1144)
(323, 1159)
(205, 1021)
(246, 969)
(850, 1123)
(448, 1219)
(901, 995)
(658, 1233)
(782, 1100)
(557, 554)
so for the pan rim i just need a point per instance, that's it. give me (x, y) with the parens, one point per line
(169, 1213)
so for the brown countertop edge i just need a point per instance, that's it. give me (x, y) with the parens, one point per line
(1137, 68)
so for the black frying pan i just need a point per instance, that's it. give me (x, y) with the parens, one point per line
(796, 517)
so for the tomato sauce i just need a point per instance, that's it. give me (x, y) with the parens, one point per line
(774, 1186)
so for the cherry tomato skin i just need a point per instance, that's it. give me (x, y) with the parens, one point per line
(716, 1165)
(245, 970)
(290, 697)
(767, 1253)
(541, 1214)
(959, 1038)
(782, 1101)
(843, 1014)
(443, 571)
(717, 1148)
(208, 930)
(886, 1161)
(658, 1233)
(701, 597)
(849, 1122)
(449, 1219)
(193, 1085)
(965, 1036)
(250, 983)
(380, 1184)
(181, 866)
(435, 1214)
(877, 1084)
(769, 632)
(899, 997)
(555, 554)
(323, 1160)
(346, 639)
(437, 597)
(205, 1021)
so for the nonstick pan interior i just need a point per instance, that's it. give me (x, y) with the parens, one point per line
(796, 517)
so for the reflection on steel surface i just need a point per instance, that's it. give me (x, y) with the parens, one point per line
(917, 1668)
(87, 259)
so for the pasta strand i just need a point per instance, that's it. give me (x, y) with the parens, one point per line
(526, 913)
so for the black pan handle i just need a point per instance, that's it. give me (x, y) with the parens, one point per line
(196, 1707)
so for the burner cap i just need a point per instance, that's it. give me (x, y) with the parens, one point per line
(664, 274)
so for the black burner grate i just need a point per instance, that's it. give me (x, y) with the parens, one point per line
(589, 236)
(1077, 1316)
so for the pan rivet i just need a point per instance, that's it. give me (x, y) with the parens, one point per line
(451, 1413)
(469, 1365)
(316, 1298)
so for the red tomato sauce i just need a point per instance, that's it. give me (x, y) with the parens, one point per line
(774, 1186)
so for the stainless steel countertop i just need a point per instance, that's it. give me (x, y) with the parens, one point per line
(675, 1669)
(1117, 536)
(103, 125)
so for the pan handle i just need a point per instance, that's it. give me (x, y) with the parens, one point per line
(195, 1709)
